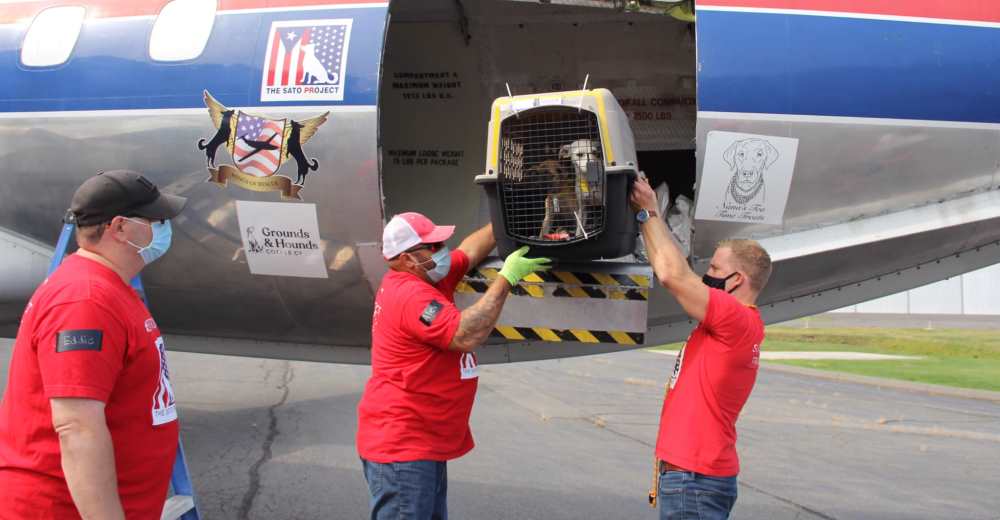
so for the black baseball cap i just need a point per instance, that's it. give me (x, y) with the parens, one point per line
(121, 192)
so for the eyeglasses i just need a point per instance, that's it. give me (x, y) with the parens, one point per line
(151, 221)
(433, 248)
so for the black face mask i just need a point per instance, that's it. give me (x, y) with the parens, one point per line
(718, 283)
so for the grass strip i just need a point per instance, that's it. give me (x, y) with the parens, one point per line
(952, 357)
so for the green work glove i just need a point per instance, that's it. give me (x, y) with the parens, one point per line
(516, 266)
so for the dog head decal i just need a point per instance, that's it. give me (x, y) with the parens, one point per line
(749, 159)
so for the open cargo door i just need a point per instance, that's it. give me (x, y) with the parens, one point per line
(447, 63)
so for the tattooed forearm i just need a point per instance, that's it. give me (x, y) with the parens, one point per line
(479, 319)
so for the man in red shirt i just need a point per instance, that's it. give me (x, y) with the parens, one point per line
(414, 414)
(714, 372)
(88, 423)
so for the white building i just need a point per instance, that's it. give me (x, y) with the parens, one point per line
(973, 293)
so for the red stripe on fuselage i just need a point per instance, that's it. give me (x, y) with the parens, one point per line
(965, 10)
(25, 11)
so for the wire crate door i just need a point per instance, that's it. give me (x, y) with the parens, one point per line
(552, 179)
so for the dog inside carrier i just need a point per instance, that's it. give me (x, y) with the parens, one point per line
(559, 169)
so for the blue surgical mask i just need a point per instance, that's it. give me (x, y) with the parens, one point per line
(158, 245)
(442, 265)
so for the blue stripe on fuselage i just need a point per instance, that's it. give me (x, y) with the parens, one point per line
(110, 68)
(819, 65)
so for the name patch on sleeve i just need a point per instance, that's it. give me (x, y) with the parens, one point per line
(430, 312)
(83, 339)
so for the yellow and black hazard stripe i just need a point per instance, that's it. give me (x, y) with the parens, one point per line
(600, 285)
(579, 335)
(478, 280)
(570, 284)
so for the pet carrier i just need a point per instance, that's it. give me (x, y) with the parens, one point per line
(559, 167)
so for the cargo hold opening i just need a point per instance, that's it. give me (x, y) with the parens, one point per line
(445, 62)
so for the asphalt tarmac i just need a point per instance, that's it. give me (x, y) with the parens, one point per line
(572, 439)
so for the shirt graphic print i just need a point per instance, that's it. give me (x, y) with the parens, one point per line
(470, 368)
(164, 404)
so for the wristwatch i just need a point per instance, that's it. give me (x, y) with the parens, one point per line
(644, 214)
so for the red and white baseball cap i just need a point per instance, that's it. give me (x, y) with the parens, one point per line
(409, 229)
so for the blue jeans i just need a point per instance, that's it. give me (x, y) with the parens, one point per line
(686, 495)
(415, 490)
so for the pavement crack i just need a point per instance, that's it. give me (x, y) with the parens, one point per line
(800, 507)
(610, 428)
(246, 505)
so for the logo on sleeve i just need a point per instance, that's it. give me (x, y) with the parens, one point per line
(82, 339)
(430, 312)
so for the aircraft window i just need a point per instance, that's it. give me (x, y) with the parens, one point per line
(52, 36)
(182, 29)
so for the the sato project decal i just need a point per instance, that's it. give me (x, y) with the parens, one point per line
(746, 177)
(259, 147)
(281, 239)
(306, 60)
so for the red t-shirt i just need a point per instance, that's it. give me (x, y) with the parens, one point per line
(85, 333)
(713, 377)
(417, 403)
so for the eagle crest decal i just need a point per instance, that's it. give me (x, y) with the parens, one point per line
(259, 146)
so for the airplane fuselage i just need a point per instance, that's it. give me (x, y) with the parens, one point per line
(892, 115)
